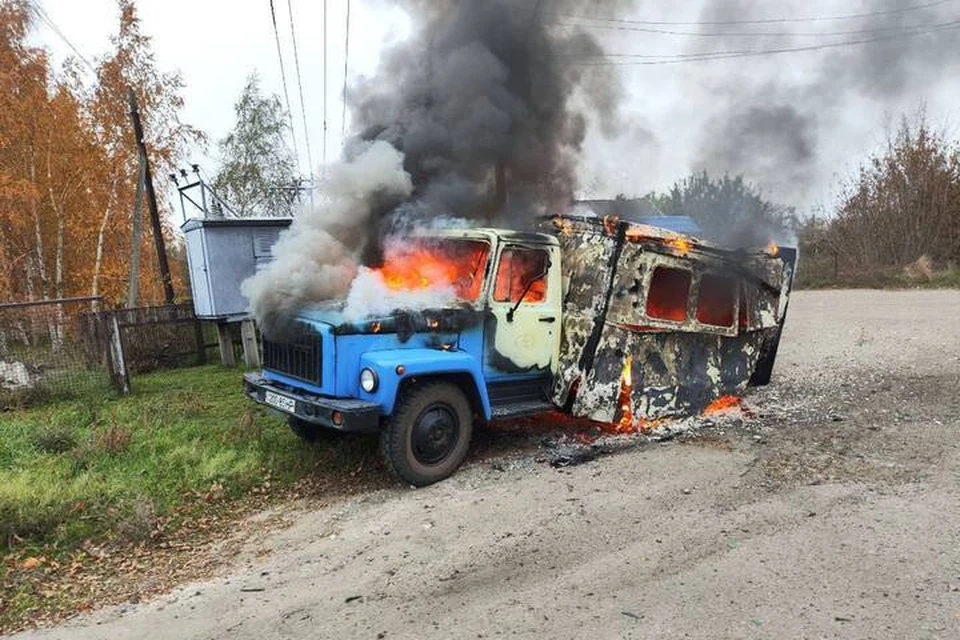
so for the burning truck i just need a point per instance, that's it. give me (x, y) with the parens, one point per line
(594, 316)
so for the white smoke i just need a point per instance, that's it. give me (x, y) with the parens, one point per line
(318, 257)
(370, 296)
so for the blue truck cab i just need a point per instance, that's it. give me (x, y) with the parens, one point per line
(421, 377)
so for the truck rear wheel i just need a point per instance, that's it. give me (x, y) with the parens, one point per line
(428, 435)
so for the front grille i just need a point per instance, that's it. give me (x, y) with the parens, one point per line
(298, 358)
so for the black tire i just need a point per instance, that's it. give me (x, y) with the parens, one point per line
(428, 435)
(310, 432)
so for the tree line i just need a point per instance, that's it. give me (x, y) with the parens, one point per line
(897, 220)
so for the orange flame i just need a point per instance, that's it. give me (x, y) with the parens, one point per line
(680, 244)
(723, 403)
(610, 224)
(420, 265)
(517, 273)
(625, 425)
(375, 327)
(565, 227)
(773, 249)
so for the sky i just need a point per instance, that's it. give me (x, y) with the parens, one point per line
(796, 124)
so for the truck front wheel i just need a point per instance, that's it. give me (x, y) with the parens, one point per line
(428, 435)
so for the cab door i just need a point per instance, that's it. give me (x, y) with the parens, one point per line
(522, 334)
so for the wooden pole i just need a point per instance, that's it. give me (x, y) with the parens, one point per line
(225, 341)
(151, 201)
(251, 352)
(118, 368)
(133, 280)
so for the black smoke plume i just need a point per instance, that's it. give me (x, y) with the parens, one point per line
(486, 108)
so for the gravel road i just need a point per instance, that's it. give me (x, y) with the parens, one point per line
(832, 511)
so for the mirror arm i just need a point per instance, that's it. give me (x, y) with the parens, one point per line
(513, 309)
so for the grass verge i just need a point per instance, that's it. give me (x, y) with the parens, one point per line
(79, 477)
(882, 279)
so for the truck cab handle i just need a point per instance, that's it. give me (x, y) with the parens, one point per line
(549, 319)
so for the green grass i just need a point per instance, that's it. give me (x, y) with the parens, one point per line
(182, 458)
(105, 467)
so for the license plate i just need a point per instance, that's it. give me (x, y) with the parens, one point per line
(280, 402)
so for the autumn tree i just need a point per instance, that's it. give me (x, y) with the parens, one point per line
(131, 64)
(257, 175)
(68, 167)
(23, 97)
(904, 203)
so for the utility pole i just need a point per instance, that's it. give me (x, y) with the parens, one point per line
(133, 281)
(151, 200)
(500, 197)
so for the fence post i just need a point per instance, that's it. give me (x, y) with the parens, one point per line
(201, 343)
(225, 340)
(248, 336)
(118, 365)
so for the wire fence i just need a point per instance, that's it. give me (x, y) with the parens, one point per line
(166, 337)
(49, 350)
(59, 349)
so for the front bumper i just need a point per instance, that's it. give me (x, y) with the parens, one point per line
(356, 415)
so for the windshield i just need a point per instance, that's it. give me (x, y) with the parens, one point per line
(424, 263)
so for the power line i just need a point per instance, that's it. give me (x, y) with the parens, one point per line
(38, 11)
(346, 67)
(852, 16)
(283, 78)
(645, 59)
(742, 34)
(296, 66)
(325, 68)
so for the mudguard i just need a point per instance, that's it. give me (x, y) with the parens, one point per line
(393, 366)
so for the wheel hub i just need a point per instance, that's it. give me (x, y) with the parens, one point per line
(435, 434)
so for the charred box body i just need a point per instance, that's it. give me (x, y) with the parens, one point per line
(671, 321)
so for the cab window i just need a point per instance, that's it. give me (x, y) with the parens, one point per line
(522, 272)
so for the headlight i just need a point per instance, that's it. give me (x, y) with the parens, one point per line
(368, 380)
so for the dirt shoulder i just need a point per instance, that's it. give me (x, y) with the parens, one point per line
(832, 509)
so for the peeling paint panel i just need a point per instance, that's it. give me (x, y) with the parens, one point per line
(678, 366)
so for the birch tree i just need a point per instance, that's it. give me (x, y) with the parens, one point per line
(257, 175)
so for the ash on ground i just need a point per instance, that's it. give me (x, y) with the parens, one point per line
(564, 442)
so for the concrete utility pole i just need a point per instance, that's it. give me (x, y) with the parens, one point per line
(151, 201)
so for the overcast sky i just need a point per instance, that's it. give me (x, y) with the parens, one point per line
(676, 117)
